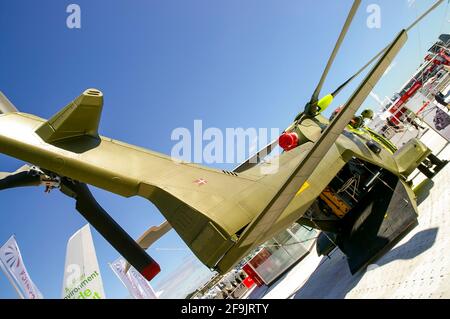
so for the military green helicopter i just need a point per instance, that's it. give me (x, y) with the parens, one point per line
(348, 185)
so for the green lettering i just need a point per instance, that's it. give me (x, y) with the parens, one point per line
(84, 283)
(87, 292)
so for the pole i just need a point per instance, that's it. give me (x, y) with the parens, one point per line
(11, 280)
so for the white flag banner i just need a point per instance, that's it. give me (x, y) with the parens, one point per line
(82, 279)
(438, 119)
(136, 284)
(14, 266)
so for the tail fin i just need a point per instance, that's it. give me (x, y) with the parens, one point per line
(80, 118)
(5, 105)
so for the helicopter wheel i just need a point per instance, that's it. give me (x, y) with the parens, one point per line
(425, 171)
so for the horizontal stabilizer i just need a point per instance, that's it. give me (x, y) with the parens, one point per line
(80, 118)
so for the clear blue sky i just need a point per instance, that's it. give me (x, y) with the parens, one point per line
(231, 63)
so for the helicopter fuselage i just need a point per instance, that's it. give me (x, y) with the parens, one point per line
(128, 170)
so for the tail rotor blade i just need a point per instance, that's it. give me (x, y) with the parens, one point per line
(90, 209)
(21, 178)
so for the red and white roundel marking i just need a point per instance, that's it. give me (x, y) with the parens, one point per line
(201, 182)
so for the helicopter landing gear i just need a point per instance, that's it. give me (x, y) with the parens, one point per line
(431, 166)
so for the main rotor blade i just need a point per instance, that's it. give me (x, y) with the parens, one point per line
(351, 15)
(412, 25)
(151, 236)
(255, 159)
(260, 226)
(90, 209)
(5, 105)
(20, 178)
